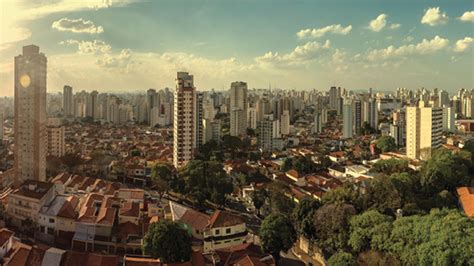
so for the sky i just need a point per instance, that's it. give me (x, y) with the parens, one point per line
(133, 45)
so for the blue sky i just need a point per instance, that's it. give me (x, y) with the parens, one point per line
(132, 45)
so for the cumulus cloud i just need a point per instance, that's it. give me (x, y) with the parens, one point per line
(468, 16)
(433, 16)
(317, 33)
(89, 47)
(77, 26)
(378, 23)
(463, 44)
(395, 26)
(301, 54)
(121, 60)
(424, 47)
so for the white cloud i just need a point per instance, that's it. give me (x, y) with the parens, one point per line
(122, 60)
(463, 44)
(317, 33)
(433, 16)
(300, 55)
(395, 26)
(424, 47)
(468, 16)
(15, 13)
(77, 26)
(378, 23)
(89, 47)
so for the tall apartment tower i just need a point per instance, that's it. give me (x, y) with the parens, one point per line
(285, 123)
(56, 138)
(184, 119)
(333, 95)
(68, 101)
(238, 108)
(198, 120)
(30, 115)
(357, 108)
(347, 120)
(423, 130)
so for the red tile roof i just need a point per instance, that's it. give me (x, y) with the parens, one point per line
(5, 235)
(466, 197)
(224, 219)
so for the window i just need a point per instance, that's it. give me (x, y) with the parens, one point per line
(227, 231)
(217, 231)
(51, 220)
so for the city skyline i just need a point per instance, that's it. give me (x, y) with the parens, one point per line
(135, 45)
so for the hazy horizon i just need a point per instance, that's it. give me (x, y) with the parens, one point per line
(103, 45)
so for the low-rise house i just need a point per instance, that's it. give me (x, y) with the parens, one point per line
(466, 200)
(224, 230)
(6, 242)
(25, 202)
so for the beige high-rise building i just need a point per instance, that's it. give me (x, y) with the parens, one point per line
(56, 136)
(238, 108)
(68, 101)
(424, 130)
(30, 115)
(285, 123)
(184, 119)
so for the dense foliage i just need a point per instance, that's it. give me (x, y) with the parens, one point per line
(167, 241)
(386, 144)
(277, 234)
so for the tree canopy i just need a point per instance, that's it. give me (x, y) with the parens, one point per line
(167, 241)
(277, 234)
(386, 144)
(391, 166)
(303, 217)
(342, 259)
(204, 180)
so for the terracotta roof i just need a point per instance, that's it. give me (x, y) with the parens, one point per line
(195, 219)
(131, 209)
(466, 197)
(68, 210)
(128, 228)
(140, 261)
(224, 219)
(33, 189)
(5, 235)
(19, 257)
(35, 257)
(244, 254)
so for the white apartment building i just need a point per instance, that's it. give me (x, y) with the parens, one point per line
(424, 130)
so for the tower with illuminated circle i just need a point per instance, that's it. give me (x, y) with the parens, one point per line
(30, 115)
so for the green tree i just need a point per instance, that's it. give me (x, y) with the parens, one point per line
(331, 223)
(204, 180)
(303, 217)
(167, 241)
(440, 238)
(277, 234)
(391, 166)
(259, 197)
(382, 195)
(342, 259)
(386, 144)
(444, 170)
(342, 194)
(369, 230)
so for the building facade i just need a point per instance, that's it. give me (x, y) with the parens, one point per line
(30, 115)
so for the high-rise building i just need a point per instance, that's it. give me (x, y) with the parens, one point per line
(318, 127)
(267, 132)
(68, 101)
(285, 123)
(443, 98)
(252, 117)
(184, 119)
(333, 96)
(448, 118)
(424, 130)
(198, 120)
(1, 126)
(56, 138)
(238, 108)
(373, 112)
(30, 115)
(357, 116)
(347, 120)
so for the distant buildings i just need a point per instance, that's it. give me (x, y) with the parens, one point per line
(56, 138)
(68, 101)
(268, 131)
(184, 120)
(424, 130)
(347, 120)
(238, 108)
(30, 115)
